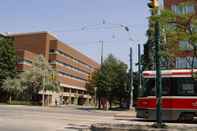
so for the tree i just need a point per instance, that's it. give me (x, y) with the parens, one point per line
(148, 58)
(121, 88)
(111, 80)
(12, 87)
(7, 61)
(176, 27)
(40, 78)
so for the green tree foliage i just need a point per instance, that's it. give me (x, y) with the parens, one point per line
(7, 59)
(12, 87)
(29, 83)
(111, 80)
(177, 27)
(40, 76)
(148, 57)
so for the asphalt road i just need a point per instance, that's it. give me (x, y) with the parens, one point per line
(68, 118)
(30, 118)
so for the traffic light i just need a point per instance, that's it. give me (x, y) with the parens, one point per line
(153, 4)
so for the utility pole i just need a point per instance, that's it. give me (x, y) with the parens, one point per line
(131, 79)
(96, 97)
(101, 52)
(158, 74)
(154, 6)
(140, 91)
(43, 90)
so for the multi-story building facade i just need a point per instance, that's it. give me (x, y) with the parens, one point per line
(73, 68)
(184, 56)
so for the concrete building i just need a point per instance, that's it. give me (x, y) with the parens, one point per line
(184, 56)
(74, 68)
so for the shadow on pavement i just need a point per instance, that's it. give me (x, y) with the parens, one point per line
(97, 109)
(76, 126)
(142, 120)
(87, 108)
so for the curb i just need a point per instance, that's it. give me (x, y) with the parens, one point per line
(126, 114)
(139, 127)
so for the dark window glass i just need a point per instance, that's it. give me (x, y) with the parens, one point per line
(172, 87)
(52, 50)
(185, 87)
(149, 85)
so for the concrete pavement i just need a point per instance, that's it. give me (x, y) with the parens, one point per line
(69, 118)
(34, 118)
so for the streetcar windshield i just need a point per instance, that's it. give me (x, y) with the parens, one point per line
(172, 87)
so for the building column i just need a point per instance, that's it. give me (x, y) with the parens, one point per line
(70, 97)
(87, 102)
(92, 101)
(54, 96)
(76, 97)
(76, 100)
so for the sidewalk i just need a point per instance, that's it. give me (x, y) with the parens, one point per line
(126, 114)
(140, 126)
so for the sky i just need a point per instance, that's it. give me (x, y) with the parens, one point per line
(83, 24)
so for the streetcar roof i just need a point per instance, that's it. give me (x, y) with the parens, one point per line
(170, 73)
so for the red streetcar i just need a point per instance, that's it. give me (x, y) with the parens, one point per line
(179, 95)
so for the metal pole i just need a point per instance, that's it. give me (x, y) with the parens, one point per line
(158, 73)
(101, 53)
(154, 6)
(43, 89)
(98, 97)
(131, 79)
(139, 70)
(95, 89)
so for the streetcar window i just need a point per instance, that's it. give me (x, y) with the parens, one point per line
(167, 89)
(172, 87)
(151, 90)
(185, 86)
(149, 87)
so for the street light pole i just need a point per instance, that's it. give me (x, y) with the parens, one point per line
(131, 79)
(101, 52)
(158, 74)
(96, 89)
(154, 6)
(140, 91)
(43, 90)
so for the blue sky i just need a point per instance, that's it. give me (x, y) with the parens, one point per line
(81, 23)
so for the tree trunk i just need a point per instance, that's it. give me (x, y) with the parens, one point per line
(120, 102)
(43, 98)
(110, 104)
(10, 99)
(99, 103)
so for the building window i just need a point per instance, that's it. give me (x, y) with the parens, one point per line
(185, 62)
(66, 89)
(52, 50)
(70, 76)
(185, 46)
(69, 67)
(59, 52)
(24, 61)
(183, 9)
